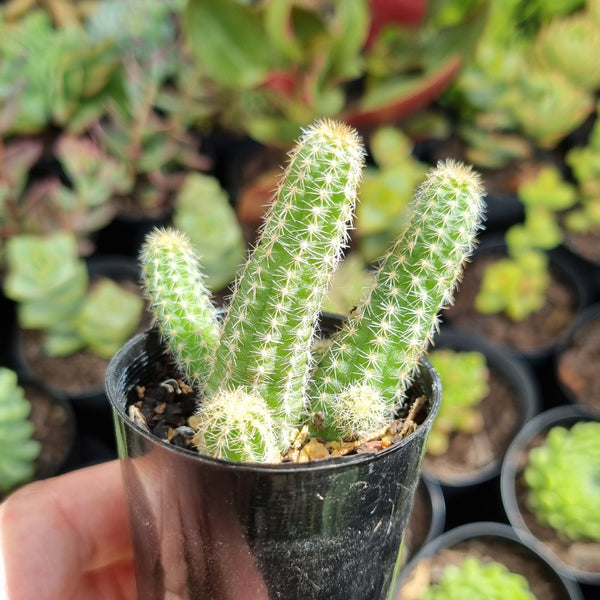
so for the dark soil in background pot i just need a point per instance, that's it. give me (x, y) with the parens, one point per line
(54, 428)
(469, 452)
(577, 360)
(540, 329)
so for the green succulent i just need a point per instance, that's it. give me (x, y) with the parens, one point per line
(52, 75)
(204, 213)
(563, 480)
(465, 381)
(474, 579)
(386, 191)
(515, 286)
(18, 449)
(571, 45)
(262, 361)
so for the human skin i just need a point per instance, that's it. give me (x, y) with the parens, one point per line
(67, 538)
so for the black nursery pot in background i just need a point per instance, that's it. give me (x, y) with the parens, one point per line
(205, 528)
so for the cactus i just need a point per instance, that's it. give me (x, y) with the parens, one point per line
(18, 450)
(464, 376)
(562, 481)
(262, 362)
(269, 326)
(382, 343)
(473, 579)
(173, 282)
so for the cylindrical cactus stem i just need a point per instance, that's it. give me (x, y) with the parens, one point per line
(187, 319)
(269, 328)
(236, 426)
(381, 345)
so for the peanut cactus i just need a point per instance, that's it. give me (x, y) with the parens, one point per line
(173, 282)
(18, 450)
(381, 345)
(259, 366)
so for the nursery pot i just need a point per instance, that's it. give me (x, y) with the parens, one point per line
(203, 528)
(489, 541)
(542, 538)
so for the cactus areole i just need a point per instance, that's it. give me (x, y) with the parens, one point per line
(248, 520)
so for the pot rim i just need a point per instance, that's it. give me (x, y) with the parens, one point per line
(478, 529)
(121, 360)
(509, 472)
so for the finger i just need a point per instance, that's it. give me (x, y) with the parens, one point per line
(115, 582)
(53, 531)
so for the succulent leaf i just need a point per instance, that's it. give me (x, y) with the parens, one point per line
(474, 579)
(563, 479)
(18, 450)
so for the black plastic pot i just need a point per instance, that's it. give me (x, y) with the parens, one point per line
(494, 537)
(429, 501)
(512, 468)
(205, 528)
(474, 496)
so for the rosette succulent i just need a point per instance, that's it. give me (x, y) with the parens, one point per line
(18, 449)
(474, 579)
(563, 480)
(257, 374)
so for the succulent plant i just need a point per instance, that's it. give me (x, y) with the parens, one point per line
(473, 579)
(18, 449)
(465, 381)
(562, 480)
(515, 286)
(108, 316)
(386, 191)
(264, 350)
(204, 213)
(53, 75)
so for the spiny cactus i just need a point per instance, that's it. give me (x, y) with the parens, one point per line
(173, 282)
(563, 483)
(18, 451)
(264, 354)
(380, 346)
(473, 579)
(269, 328)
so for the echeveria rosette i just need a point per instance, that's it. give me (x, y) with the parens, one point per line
(18, 449)
(563, 481)
(382, 343)
(474, 579)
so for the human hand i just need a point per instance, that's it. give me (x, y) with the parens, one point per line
(67, 538)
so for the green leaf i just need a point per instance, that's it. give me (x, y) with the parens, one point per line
(229, 42)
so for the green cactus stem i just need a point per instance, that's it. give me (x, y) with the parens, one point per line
(563, 481)
(381, 345)
(236, 425)
(173, 282)
(474, 579)
(18, 450)
(269, 328)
